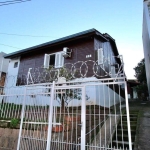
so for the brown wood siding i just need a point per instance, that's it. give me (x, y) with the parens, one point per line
(108, 52)
(80, 49)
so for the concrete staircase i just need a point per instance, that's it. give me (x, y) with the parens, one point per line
(120, 138)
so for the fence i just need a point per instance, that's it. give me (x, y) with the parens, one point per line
(78, 114)
(91, 110)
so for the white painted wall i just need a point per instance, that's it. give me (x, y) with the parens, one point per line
(12, 73)
(34, 96)
(3, 63)
(146, 40)
(98, 95)
(135, 96)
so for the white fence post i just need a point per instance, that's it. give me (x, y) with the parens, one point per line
(128, 117)
(83, 120)
(50, 117)
(21, 123)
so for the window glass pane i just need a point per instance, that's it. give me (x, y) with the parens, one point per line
(52, 60)
(15, 64)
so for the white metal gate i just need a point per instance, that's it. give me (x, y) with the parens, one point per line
(48, 124)
(34, 118)
(76, 116)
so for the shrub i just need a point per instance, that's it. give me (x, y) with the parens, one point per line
(14, 122)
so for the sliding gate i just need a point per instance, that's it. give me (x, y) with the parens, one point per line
(91, 115)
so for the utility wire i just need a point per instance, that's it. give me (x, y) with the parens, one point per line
(11, 34)
(10, 1)
(10, 46)
(13, 2)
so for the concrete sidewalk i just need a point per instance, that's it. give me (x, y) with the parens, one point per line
(142, 141)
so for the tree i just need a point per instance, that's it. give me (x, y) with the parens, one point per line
(140, 74)
(65, 95)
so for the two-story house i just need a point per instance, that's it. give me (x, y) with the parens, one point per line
(91, 53)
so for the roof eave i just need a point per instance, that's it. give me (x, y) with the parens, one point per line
(56, 42)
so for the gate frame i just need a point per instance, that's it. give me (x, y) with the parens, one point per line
(50, 117)
(83, 108)
(22, 113)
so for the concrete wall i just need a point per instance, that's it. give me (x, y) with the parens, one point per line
(8, 138)
(146, 41)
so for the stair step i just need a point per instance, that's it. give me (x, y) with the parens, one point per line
(126, 122)
(120, 137)
(133, 127)
(123, 137)
(125, 125)
(122, 142)
(131, 118)
(119, 131)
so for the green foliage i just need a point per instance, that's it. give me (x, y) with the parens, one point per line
(61, 72)
(64, 72)
(142, 90)
(140, 74)
(14, 122)
(69, 94)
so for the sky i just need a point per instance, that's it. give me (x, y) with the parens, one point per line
(35, 22)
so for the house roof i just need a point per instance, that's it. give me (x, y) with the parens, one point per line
(133, 82)
(105, 37)
(2, 53)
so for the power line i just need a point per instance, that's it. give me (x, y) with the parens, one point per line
(9, 46)
(12, 2)
(12, 34)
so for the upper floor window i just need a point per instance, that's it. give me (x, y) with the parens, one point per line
(100, 55)
(15, 64)
(55, 59)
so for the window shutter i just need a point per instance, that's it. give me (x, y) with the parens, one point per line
(113, 71)
(56, 60)
(100, 56)
(61, 60)
(46, 61)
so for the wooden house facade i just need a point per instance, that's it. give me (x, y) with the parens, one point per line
(84, 46)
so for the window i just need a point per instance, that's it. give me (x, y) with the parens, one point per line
(100, 56)
(15, 64)
(55, 59)
(113, 71)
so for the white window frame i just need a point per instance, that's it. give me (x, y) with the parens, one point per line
(100, 56)
(59, 60)
(113, 71)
